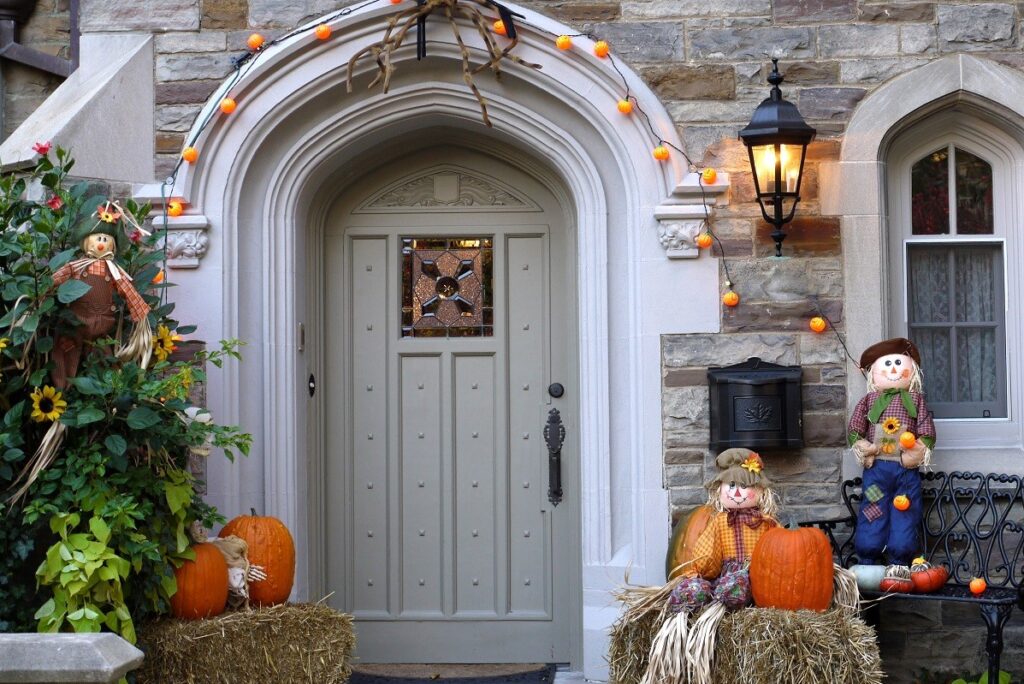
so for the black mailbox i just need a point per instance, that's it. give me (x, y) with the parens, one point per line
(756, 404)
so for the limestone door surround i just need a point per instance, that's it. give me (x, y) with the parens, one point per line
(259, 194)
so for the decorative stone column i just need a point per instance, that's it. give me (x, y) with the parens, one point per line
(681, 216)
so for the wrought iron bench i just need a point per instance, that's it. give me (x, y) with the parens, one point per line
(974, 525)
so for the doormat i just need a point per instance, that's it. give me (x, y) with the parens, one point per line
(460, 674)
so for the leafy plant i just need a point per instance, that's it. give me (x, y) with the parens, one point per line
(94, 543)
(1004, 678)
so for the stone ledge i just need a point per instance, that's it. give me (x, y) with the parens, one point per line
(78, 658)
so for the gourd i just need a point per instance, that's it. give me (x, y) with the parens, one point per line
(684, 536)
(202, 585)
(927, 577)
(270, 547)
(792, 569)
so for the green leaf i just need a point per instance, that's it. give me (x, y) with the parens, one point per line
(46, 610)
(90, 414)
(87, 385)
(61, 258)
(71, 290)
(44, 345)
(142, 418)
(115, 444)
(13, 455)
(186, 329)
(99, 529)
(178, 496)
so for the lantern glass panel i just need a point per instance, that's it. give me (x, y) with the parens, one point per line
(764, 164)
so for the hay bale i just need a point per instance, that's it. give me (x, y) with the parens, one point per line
(287, 643)
(769, 645)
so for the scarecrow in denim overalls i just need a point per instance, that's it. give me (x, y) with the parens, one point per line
(878, 435)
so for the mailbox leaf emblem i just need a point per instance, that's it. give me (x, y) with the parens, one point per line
(758, 413)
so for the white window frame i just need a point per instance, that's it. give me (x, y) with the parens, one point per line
(1006, 156)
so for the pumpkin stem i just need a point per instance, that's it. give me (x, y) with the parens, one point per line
(253, 512)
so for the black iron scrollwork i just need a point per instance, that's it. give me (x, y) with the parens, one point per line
(554, 436)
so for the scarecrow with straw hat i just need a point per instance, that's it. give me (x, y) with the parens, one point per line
(716, 576)
(100, 235)
(891, 434)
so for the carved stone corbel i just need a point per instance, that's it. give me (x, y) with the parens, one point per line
(681, 216)
(186, 241)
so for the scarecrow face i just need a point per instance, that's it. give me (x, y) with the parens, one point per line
(98, 244)
(893, 371)
(735, 496)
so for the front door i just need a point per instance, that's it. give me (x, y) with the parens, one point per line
(447, 319)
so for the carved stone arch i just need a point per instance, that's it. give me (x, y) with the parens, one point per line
(259, 186)
(445, 187)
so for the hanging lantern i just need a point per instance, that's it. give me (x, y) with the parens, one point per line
(776, 140)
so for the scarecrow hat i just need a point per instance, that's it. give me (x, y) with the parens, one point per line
(99, 216)
(742, 466)
(897, 345)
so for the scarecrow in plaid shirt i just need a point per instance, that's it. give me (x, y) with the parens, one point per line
(100, 236)
(742, 495)
(892, 434)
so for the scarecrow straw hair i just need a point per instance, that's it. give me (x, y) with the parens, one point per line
(398, 28)
(753, 644)
(286, 643)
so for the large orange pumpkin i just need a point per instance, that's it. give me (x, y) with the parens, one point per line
(202, 585)
(684, 536)
(792, 569)
(270, 547)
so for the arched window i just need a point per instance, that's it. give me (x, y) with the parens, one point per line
(954, 225)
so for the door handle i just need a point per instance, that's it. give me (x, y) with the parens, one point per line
(554, 436)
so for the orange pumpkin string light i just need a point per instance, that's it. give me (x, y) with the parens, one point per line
(228, 105)
(704, 240)
(730, 299)
(255, 41)
(563, 42)
(499, 28)
(818, 324)
(625, 106)
(901, 502)
(322, 31)
(601, 48)
(708, 176)
(190, 154)
(908, 440)
(175, 208)
(660, 153)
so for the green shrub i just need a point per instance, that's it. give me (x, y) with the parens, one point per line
(94, 542)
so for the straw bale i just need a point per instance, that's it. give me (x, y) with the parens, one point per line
(286, 643)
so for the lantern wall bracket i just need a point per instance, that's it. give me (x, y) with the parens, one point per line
(681, 216)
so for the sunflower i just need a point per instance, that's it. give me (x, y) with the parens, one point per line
(163, 342)
(3, 343)
(891, 426)
(108, 213)
(47, 404)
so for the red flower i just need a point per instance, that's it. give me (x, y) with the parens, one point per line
(43, 148)
(135, 236)
(55, 202)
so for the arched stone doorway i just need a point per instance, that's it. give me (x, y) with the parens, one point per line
(264, 180)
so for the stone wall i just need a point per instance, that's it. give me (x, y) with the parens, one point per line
(25, 88)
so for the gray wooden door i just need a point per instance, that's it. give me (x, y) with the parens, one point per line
(448, 301)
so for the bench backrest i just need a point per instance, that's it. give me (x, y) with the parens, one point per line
(973, 524)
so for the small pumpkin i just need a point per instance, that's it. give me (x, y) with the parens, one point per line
(818, 324)
(202, 585)
(901, 502)
(908, 439)
(684, 537)
(897, 580)
(792, 569)
(927, 577)
(270, 547)
(978, 586)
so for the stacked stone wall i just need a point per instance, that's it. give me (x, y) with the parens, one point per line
(24, 88)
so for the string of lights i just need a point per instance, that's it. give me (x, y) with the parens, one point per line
(258, 46)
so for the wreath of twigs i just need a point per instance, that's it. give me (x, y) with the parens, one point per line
(402, 22)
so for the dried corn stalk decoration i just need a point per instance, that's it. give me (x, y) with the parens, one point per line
(402, 22)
